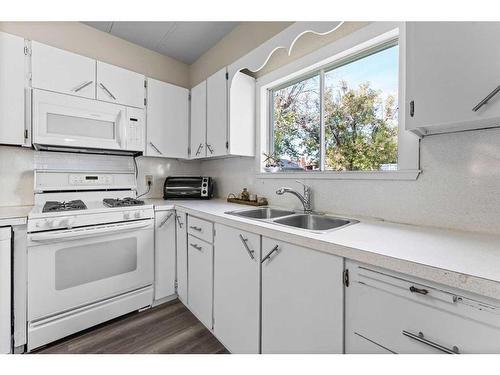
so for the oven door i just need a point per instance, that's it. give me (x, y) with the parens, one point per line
(75, 267)
(68, 121)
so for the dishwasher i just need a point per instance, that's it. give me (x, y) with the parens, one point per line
(5, 291)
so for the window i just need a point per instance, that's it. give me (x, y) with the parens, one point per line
(340, 118)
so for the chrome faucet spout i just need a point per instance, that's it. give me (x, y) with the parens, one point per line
(305, 199)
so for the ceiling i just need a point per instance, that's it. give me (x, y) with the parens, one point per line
(184, 41)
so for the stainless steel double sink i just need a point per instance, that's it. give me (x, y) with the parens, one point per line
(313, 222)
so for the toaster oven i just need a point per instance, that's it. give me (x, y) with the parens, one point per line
(188, 188)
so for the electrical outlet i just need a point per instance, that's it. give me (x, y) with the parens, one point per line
(149, 180)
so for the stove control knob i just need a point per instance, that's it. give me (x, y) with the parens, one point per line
(137, 215)
(126, 216)
(39, 224)
(54, 223)
(70, 222)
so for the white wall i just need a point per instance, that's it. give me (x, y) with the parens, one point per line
(459, 187)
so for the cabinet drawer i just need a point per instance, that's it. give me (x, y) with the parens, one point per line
(200, 228)
(406, 316)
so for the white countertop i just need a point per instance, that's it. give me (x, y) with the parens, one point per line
(15, 215)
(464, 260)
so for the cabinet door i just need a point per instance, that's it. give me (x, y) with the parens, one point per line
(57, 70)
(164, 254)
(450, 68)
(12, 90)
(182, 257)
(198, 120)
(236, 289)
(118, 85)
(217, 114)
(167, 120)
(241, 127)
(302, 300)
(200, 278)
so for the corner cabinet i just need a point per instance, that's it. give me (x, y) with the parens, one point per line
(302, 300)
(451, 68)
(164, 254)
(237, 289)
(14, 121)
(167, 114)
(223, 116)
(181, 256)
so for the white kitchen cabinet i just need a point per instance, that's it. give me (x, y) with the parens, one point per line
(241, 124)
(198, 121)
(217, 113)
(13, 91)
(200, 278)
(237, 289)
(118, 85)
(61, 71)
(302, 299)
(167, 120)
(5, 290)
(165, 261)
(182, 257)
(450, 68)
(402, 314)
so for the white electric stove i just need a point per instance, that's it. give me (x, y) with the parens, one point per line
(90, 245)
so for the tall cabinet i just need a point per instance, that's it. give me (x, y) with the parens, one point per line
(14, 120)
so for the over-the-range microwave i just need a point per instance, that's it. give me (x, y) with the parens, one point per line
(65, 122)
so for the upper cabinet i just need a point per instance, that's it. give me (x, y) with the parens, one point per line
(223, 116)
(167, 120)
(217, 113)
(198, 121)
(13, 124)
(56, 70)
(118, 85)
(452, 76)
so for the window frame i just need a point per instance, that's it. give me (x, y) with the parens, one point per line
(321, 73)
(375, 37)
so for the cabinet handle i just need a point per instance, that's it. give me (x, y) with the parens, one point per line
(198, 229)
(486, 99)
(155, 148)
(209, 147)
(268, 256)
(245, 244)
(412, 108)
(420, 338)
(178, 218)
(165, 220)
(199, 149)
(82, 86)
(107, 91)
(199, 248)
(419, 291)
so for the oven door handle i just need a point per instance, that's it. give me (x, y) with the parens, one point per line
(81, 233)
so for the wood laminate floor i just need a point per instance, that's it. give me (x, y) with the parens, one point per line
(169, 328)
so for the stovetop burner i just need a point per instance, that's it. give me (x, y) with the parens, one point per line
(54, 206)
(125, 202)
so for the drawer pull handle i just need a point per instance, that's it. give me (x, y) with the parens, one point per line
(420, 338)
(245, 244)
(196, 246)
(268, 256)
(419, 291)
(198, 229)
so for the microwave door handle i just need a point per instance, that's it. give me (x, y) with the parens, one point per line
(121, 129)
(81, 233)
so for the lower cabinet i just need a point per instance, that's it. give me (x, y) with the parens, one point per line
(302, 299)
(391, 312)
(237, 289)
(200, 278)
(164, 254)
(182, 256)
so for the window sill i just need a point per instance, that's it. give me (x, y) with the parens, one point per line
(409, 175)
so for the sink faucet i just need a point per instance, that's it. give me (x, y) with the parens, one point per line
(305, 198)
